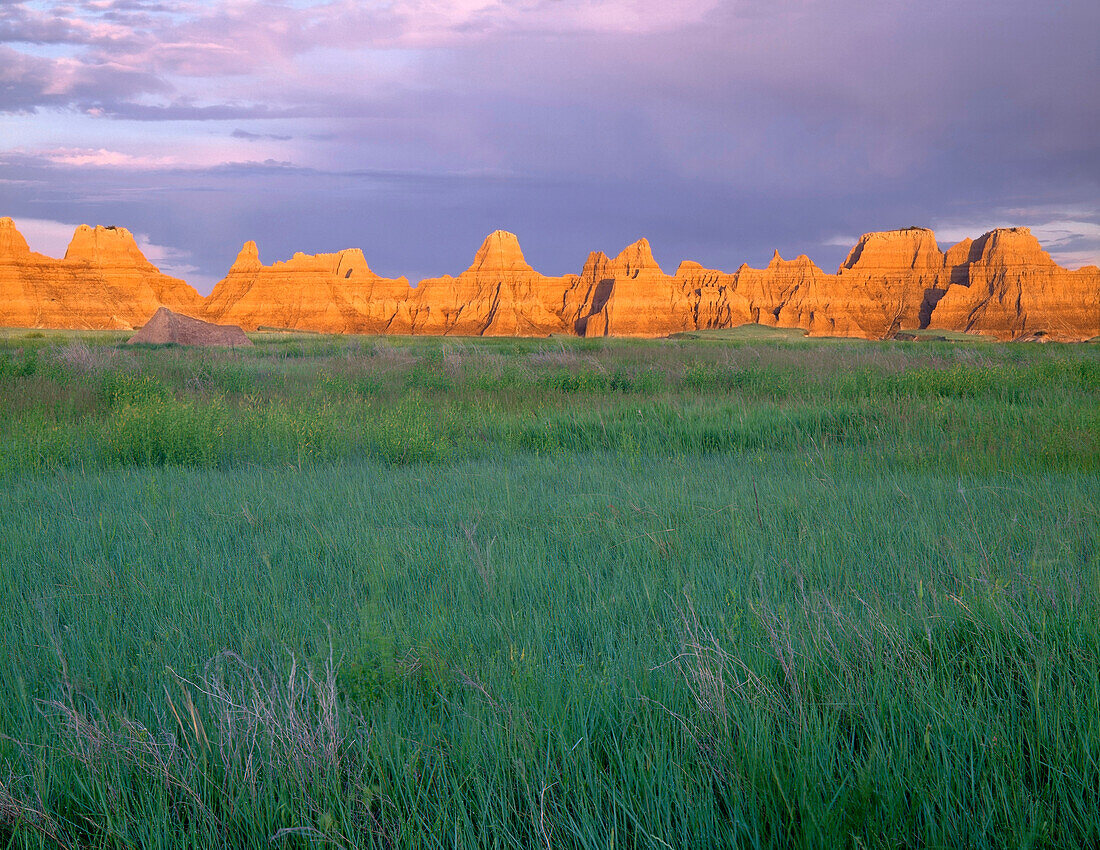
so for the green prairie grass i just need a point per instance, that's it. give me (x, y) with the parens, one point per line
(531, 593)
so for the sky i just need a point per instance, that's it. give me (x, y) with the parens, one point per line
(718, 129)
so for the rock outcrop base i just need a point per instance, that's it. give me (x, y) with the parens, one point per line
(1002, 284)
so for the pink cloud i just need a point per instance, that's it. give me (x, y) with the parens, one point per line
(103, 158)
(432, 23)
(239, 37)
(212, 153)
(64, 25)
(195, 56)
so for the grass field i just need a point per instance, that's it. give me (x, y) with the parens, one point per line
(749, 591)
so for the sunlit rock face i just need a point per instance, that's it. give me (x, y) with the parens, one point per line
(788, 293)
(1008, 286)
(329, 293)
(889, 281)
(631, 296)
(13, 247)
(1002, 284)
(103, 282)
(715, 300)
(880, 289)
(498, 295)
(107, 248)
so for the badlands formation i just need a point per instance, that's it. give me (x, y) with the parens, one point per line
(1002, 284)
(104, 281)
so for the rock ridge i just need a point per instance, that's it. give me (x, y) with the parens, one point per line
(104, 281)
(1002, 284)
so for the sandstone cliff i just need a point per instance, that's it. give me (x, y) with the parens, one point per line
(715, 298)
(631, 296)
(331, 293)
(890, 280)
(104, 281)
(498, 295)
(1002, 284)
(1008, 286)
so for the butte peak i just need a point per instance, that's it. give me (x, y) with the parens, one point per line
(500, 252)
(894, 250)
(636, 257)
(1010, 246)
(106, 246)
(777, 261)
(248, 258)
(800, 262)
(12, 243)
(959, 253)
(597, 266)
(351, 261)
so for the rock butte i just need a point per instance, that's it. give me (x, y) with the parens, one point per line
(1003, 284)
(104, 281)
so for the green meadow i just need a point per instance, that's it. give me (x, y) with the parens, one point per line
(747, 590)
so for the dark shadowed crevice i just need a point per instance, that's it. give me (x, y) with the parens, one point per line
(600, 296)
(928, 304)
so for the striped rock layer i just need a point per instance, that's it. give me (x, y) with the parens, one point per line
(1002, 284)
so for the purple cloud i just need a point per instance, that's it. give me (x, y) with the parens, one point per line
(19, 23)
(256, 137)
(719, 129)
(30, 82)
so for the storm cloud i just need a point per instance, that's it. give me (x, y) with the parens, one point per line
(720, 130)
